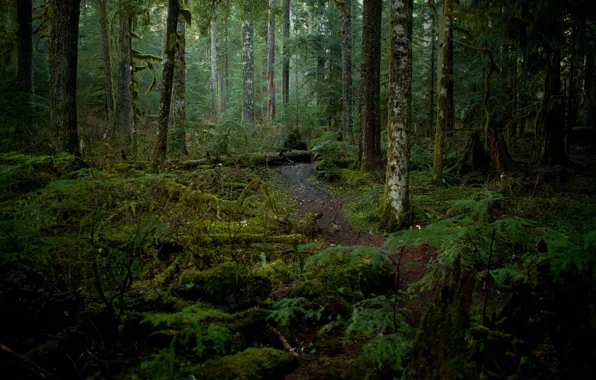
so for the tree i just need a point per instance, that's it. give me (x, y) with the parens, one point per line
(64, 38)
(107, 65)
(286, 58)
(214, 68)
(124, 112)
(178, 130)
(346, 53)
(370, 86)
(445, 101)
(25, 49)
(167, 77)
(397, 203)
(248, 90)
(271, 62)
(428, 46)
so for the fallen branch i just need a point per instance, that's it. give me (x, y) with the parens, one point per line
(284, 341)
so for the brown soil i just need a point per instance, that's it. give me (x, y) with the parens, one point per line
(314, 199)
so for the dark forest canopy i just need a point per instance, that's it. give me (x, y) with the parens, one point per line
(321, 189)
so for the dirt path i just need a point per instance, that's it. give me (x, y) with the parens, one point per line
(314, 199)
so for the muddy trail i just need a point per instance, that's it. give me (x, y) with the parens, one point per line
(314, 199)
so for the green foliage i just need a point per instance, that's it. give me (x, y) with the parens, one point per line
(288, 311)
(350, 271)
(252, 363)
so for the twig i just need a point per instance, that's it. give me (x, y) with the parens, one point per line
(284, 341)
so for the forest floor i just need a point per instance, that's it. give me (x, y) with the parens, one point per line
(313, 197)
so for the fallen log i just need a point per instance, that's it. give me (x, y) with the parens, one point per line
(253, 159)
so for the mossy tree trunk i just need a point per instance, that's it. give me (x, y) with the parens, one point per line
(107, 61)
(64, 38)
(397, 203)
(25, 63)
(167, 78)
(248, 89)
(177, 144)
(445, 104)
(370, 86)
(271, 62)
(345, 7)
(286, 59)
(214, 68)
(124, 112)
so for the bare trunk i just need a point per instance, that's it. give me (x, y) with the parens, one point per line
(429, 48)
(553, 151)
(107, 65)
(271, 62)
(178, 130)
(124, 113)
(248, 93)
(346, 54)
(370, 85)
(159, 153)
(286, 58)
(213, 69)
(397, 203)
(25, 62)
(445, 111)
(575, 71)
(590, 88)
(64, 39)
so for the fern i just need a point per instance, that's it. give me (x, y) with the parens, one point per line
(289, 310)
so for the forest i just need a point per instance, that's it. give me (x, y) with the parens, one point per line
(298, 189)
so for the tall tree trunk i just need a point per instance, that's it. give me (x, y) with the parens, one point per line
(25, 61)
(167, 78)
(248, 93)
(428, 46)
(64, 40)
(553, 150)
(107, 65)
(575, 71)
(370, 85)
(271, 62)
(346, 54)
(124, 113)
(445, 112)
(397, 202)
(285, 53)
(590, 87)
(178, 132)
(226, 74)
(214, 68)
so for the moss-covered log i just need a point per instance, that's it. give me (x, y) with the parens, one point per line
(245, 238)
(255, 159)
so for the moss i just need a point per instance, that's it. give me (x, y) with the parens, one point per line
(253, 363)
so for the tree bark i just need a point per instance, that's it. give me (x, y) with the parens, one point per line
(397, 202)
(25, 62)
(271, 62)
(346, 54)
(178, 131)
(64, 39)
(370, 86)
(575, 71)
(428, 46)
(124, 113)
(590, 87)
(214, 69)
(25, 49)
(248, 93)
(159, 153)
(286, 58)
(107, 65)
(445, 110)
(553, 150)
